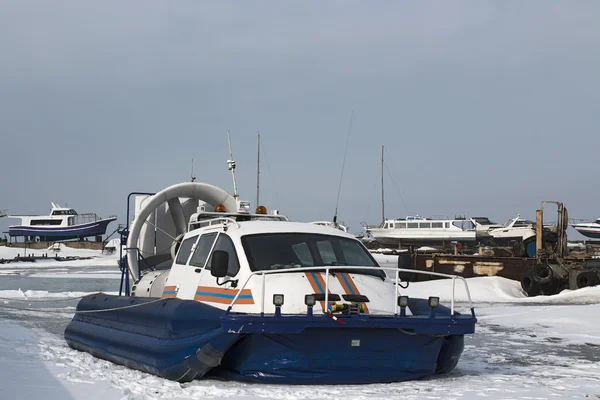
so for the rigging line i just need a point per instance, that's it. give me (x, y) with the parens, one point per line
(396, 187)
(264, 154)
(343, 166)
(372, 194)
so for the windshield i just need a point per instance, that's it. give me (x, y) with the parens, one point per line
(274, 251)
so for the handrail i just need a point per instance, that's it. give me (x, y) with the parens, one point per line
(327, 269)
(209, 222)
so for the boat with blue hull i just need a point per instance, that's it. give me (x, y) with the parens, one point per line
(62, 224)
(188, 339)
(254, 297)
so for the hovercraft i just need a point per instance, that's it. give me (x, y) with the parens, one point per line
(254, 297)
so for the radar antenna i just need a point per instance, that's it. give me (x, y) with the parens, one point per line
(231, 166)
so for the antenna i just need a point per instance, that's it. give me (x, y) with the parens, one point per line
(343, 165)
(193, 177)
(382, 196)
(258, 171)
(231, 166)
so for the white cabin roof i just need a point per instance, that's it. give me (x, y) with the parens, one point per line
(261, 227)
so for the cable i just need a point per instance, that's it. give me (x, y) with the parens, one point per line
(276, 194)
(372, 194)
(396, 187)
(343, 166)
(54, 310)
(41, 301)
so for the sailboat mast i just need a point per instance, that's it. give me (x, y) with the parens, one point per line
(382, 196)
(258, 173)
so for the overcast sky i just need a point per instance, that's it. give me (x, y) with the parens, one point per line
(484, 108)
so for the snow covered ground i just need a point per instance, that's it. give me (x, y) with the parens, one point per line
(540, 348)
(98, 258)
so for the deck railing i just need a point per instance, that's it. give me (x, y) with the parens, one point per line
(327, 269)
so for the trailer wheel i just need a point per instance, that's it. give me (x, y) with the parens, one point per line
(542, 274)
(586, 279)
(528, 285)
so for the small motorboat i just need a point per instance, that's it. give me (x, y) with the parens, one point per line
(61, 224)
(589, 229)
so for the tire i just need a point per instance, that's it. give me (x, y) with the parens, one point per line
(529, 285)
(542, 274)
(587, 279)
(550, 288)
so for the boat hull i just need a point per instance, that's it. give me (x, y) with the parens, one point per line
(96, 228)
(327, 356)
(593, 233)
(183, 339)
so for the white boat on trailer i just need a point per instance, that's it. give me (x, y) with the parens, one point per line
(588, 229)
(62, 223)
(417, 231)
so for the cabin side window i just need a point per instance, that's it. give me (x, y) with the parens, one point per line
(386, 226)
(185, 249)
(425, 225)
(400, 225)
(446, 225)
(224, 243)
(46, 222)
(203, 249)
(437, 224)
(412, 225)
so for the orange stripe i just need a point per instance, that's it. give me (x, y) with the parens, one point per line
(315, 285)
(352, 287)
(222, 300)
(212, 289)
(169, 289)
(231, 293)
(343, 283)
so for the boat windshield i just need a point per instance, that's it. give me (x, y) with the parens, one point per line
(272, 251)
(483, 221)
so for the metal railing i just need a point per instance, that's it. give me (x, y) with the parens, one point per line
(213, 221)
(327, 270)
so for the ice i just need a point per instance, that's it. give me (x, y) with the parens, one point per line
(98, 258)
(524, 348)
(42, 294)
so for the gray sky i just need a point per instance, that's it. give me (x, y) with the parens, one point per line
(485, 108)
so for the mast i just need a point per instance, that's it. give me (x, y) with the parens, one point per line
(231, 166)
(382, 197)
(258, 172)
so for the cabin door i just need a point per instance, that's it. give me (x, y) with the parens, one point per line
(218, 291)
